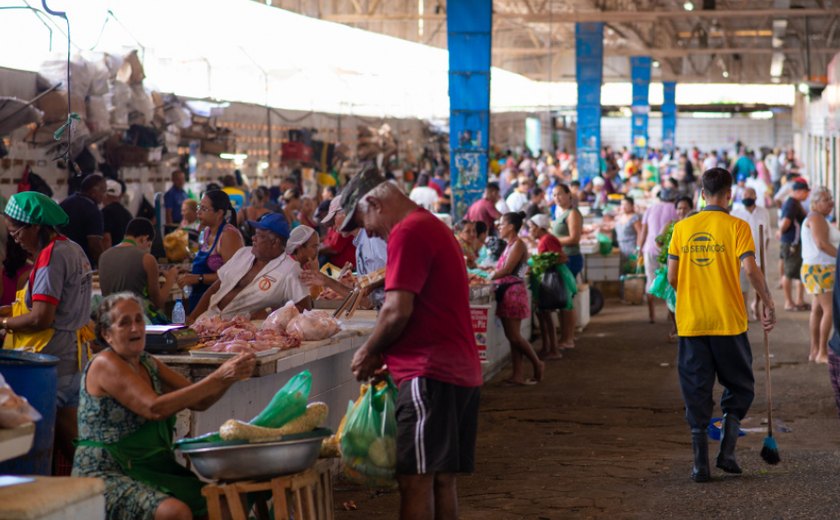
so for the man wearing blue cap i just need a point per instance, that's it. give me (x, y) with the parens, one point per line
(257, 278)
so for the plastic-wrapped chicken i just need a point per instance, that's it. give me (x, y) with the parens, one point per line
(313, 326)
(280, 318)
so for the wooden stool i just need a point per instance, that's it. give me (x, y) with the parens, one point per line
(307, 495)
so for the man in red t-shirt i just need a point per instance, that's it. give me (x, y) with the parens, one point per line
(484, 209)
(424, 335)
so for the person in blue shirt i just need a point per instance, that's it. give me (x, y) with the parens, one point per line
(174, 197)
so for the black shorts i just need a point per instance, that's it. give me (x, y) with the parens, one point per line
(792, 256)
(437, 425)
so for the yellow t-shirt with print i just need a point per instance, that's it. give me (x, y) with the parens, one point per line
(709, 247)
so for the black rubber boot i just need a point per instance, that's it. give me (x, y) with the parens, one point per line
(700, 445)
(728, 437)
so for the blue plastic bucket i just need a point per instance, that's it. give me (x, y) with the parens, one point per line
(35, 377)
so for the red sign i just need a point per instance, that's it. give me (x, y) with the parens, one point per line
(479, 317)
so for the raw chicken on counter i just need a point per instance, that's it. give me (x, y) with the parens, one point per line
(313, 326)
(240, 335)
(279, 319)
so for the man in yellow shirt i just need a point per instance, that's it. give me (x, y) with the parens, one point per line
(706, 254)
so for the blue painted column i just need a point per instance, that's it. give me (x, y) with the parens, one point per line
(640, 108)
(589, 61)
(469, 26)
(669, 116)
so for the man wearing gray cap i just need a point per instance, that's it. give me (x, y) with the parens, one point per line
(424, 335)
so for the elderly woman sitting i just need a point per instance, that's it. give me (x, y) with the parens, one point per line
(128, 402)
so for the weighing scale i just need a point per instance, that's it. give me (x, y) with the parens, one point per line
(168, 339)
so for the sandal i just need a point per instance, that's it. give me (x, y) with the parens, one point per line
(803, 307)
(513, 382)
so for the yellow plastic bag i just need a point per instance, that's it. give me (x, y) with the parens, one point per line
(176, 244)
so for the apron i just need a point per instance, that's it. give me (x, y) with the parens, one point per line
(146, 456)
(200, 266)
(36, 341)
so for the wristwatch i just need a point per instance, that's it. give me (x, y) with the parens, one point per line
(6, 325)
(201, 278)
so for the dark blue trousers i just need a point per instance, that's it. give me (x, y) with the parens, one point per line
(703, 358)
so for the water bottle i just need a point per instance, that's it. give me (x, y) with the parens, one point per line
(179, 315)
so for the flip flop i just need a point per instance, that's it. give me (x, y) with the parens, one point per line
(527, 382)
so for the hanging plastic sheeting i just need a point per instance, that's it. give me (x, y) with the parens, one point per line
(241, 50)
(469, 25)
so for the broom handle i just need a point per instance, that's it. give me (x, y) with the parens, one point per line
(766, 341)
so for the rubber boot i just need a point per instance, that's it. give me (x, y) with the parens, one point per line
(728, 437)
(700, 444)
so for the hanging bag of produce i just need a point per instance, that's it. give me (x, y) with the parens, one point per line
(369, 437)
(570, 283)
(552, 293)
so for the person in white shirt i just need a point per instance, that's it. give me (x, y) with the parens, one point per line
(760, 188)
(710, 161)
(423, 195)
(519, 198)
(755, 216)
(256, 279)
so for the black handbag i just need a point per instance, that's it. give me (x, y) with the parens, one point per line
(552, 293)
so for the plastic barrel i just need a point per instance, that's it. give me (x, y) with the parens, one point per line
(35, 377)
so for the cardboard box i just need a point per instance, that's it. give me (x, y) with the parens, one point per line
(54, 106)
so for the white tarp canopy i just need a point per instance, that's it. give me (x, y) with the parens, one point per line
(240, 50)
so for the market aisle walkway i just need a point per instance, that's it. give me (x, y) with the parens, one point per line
(604, 436)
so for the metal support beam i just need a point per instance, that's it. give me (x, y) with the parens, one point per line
(600, 16)
(657, 53)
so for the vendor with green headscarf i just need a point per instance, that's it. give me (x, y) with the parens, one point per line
(56, 302)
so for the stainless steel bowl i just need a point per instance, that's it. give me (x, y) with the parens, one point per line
(241, 461)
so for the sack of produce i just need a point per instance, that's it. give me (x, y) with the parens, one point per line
(369, 438)
(280, 318)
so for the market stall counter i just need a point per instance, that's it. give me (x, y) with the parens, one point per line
(328, 360)
(493, 347)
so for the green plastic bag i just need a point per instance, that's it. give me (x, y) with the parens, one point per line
(369, 438)
(660, 285)
(605, 244)
(571, 285)
(288, 403)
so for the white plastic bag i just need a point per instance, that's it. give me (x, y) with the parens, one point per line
(280, 318)
(14, 410)
(313, 326)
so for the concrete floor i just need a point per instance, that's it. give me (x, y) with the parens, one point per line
(604, 436)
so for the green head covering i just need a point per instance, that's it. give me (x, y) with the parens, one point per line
(31, 207)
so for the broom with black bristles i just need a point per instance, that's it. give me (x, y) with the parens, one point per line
(770, 451)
